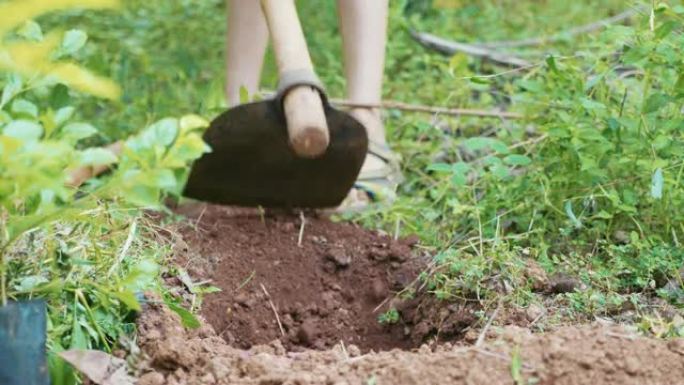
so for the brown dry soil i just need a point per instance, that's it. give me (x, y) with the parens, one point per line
(292, 313)
(597, 355)
(330, 287)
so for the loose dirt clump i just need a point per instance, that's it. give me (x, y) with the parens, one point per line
(596, 354)
(310, 286)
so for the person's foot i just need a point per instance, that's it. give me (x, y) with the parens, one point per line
(380, 174)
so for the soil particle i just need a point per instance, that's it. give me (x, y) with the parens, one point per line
(534, 312)
(151, 378)
(561, 283)
(536, 275)
(596, 354)
(307, 332)
(677, 346)
(331, 287)
(339, 256)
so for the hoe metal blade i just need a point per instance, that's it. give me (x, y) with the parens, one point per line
(252, 163)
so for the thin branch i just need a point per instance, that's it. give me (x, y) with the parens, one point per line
(394, 105)
(451, 47)
(275, 311)
(537, 41)
(124, 250)
(485, 329)
(301, 228)
(420, 108)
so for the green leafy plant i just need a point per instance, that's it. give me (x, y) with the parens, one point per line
(588, 185)
(389, 317)
(90, 251)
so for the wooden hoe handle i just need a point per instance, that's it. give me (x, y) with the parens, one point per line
(302, 105)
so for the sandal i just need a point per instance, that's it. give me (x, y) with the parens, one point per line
(377, 182)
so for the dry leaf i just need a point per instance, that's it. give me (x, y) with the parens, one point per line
(99, 367)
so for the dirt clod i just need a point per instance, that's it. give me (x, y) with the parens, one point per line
(339, 256)
(307, 333)
(536, 275)
(561, 283)
(151, 378)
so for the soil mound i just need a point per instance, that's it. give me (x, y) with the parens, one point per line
(312, 286)
(598, 354)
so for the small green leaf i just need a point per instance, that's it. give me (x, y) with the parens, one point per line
(593, 81)
(187, 318)
(28, 283)
(459, 176)
(592, 105)
(477, 143)
(4, 117)
(500, 171)
(533, 86)
(603, 214)
(143, 195)
(517, 160)
(163, 132)
(12, 87)
(73, 41)
(479, 80)
(163, 179)
(31, 31)
(665, 29)
(458, 64)
(78, 131)
(25, 130)
(209, 289)
(460, 167)
(59, 96)
(24, 107)
(78, 338)
(679, 84)
(128, 299)
(141, 276)
(657, 184)
(492, 161)
(185, 149)
(64, 114)
(459, 180)
(96, 157)
(192, 122)
(551, 62)
(656, 102)
(439, 167)
(499, 146)
(516, 367)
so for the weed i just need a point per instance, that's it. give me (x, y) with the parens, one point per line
(389, 317)
(516, 367)
(589, 185)
(88, 251)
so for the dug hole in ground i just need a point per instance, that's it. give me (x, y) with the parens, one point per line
(301, 306)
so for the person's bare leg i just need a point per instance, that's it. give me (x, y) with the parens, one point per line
(363, 24)
(245, 47)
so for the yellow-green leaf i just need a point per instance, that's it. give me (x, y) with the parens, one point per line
(97, 157)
